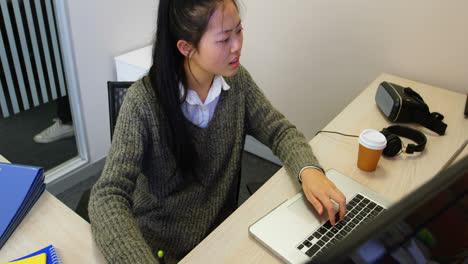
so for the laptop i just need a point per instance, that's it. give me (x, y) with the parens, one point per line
(376, 239)
(295, 232)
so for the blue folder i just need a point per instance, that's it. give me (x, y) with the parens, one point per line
(20, 188)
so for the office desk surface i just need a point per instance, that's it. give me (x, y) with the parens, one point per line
(52, 222)
(394, 177)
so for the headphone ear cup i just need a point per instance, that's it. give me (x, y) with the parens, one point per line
(393, 145)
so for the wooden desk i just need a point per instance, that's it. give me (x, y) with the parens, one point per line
(395, 177)
(51, 222)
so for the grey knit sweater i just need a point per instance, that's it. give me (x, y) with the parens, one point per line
(142, 204)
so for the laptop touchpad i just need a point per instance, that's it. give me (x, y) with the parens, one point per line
(306, 211)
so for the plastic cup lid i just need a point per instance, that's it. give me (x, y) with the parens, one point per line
(372, 139)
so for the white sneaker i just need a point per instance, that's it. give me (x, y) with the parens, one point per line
(54, 132)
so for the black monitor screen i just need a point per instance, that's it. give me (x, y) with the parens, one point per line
(429, 225)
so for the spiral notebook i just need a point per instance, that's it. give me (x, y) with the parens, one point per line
(51, 255)
(38, 259)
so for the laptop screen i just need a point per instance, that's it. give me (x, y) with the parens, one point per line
(429, 224)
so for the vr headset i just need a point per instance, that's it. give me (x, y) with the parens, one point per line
(404, 105)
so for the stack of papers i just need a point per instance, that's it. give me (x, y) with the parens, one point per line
(20, 188)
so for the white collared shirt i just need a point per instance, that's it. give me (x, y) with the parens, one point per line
(198, 112)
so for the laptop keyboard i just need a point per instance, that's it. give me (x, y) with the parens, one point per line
(359, 210)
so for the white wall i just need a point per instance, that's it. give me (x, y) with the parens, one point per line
(101, 30)
(311, 57)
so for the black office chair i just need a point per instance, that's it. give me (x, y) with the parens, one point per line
(116, 93)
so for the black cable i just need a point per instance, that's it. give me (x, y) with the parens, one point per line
(334, 132)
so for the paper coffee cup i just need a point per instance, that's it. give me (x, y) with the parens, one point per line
(371, 146)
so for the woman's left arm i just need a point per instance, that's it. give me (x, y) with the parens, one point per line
(269, 126)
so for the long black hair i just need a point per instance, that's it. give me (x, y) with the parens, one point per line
(177, 20)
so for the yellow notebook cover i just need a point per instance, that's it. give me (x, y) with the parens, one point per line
(37, 259)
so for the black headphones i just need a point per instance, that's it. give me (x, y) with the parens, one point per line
(394, 144)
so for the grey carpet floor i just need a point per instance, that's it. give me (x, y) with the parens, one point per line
(16, 138)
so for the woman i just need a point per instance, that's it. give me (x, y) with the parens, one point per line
(172, 173)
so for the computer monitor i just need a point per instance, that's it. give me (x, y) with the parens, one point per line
(431, 223)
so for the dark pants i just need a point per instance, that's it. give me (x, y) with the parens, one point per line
(63, 110)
